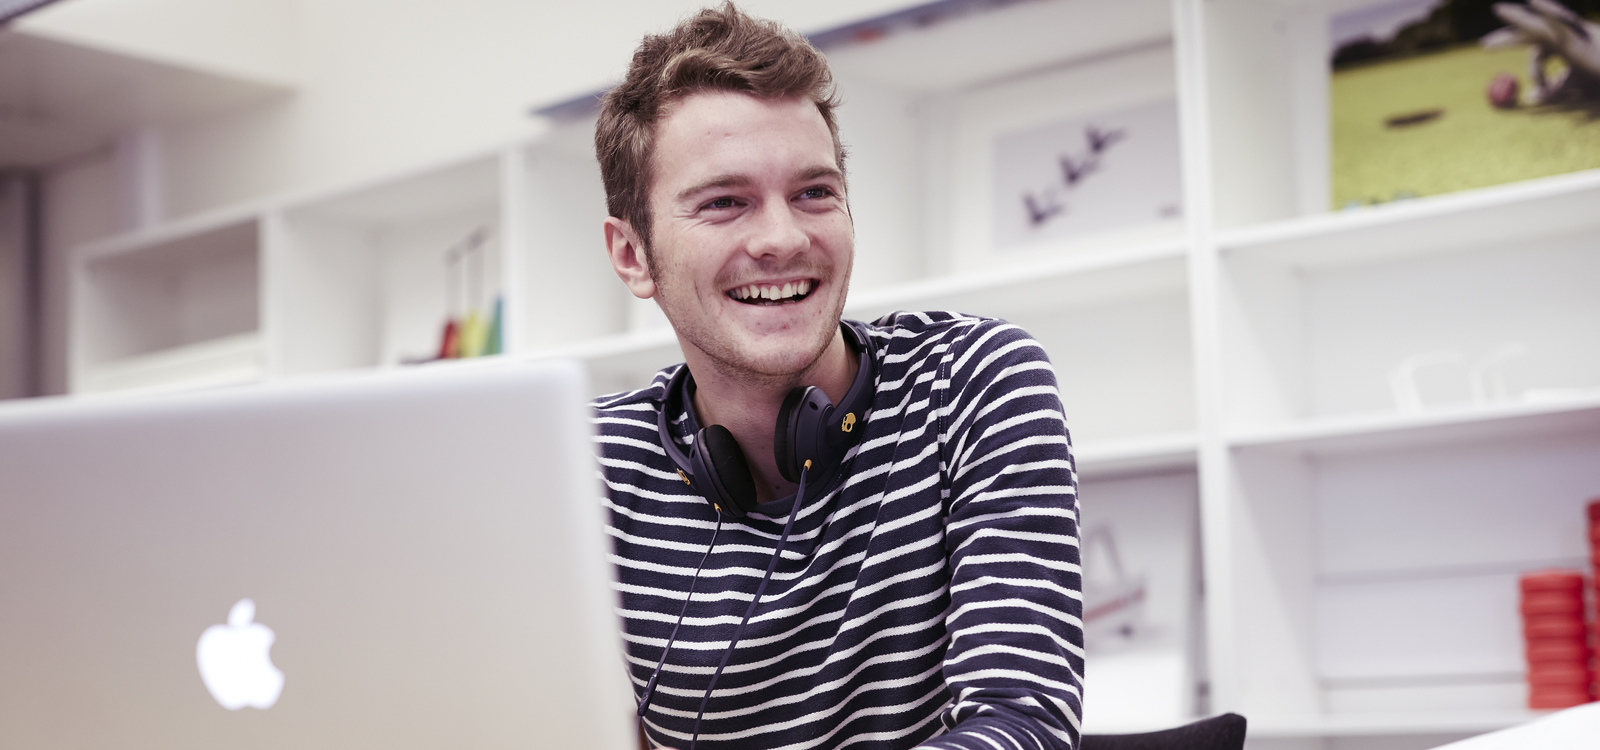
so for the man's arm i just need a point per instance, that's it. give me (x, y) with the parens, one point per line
(1014, 665)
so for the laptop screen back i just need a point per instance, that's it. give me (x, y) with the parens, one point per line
(426, 549)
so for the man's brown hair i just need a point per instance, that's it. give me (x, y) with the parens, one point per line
(719, 49)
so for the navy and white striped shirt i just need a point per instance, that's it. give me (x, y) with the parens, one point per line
(931, 600)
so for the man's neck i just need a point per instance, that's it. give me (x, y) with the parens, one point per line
(749, 407)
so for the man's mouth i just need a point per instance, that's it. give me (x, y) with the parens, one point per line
(772, 294)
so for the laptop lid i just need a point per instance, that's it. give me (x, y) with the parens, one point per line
(419, 554)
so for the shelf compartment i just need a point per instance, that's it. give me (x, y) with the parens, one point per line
(1372, 578)
(361, 276)
(227, 360)
(927, 99)
(1490, 324)
(1393, 516)
(1141, 572)
(142, 295)
(1266, 124)
(1269, 131)
(566, 291)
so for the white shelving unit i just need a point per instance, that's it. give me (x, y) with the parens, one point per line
(361, 273)
(1229, 366)
(175, 307)
(1360, 561)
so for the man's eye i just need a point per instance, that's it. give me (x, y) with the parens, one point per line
(816, 192)
(720, 203)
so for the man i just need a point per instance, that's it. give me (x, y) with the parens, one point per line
(923, 590)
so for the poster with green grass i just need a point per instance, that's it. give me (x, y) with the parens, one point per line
(1434, 96)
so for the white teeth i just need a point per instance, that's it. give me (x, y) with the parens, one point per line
(756, 291)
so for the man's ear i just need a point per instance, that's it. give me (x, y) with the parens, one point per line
(628, 258)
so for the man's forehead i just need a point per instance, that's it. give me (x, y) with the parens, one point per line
(702, 128)
(726, 104)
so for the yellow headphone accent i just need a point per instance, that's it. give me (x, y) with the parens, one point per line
(685, 478)
(849, 422)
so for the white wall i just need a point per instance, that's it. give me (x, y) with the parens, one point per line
(380, 85)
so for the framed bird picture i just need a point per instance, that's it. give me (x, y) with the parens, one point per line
(1087, 175)
(1055, 162)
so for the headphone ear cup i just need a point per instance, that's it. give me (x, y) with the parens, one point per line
(800, 433)
(725, 471)
(783, 447)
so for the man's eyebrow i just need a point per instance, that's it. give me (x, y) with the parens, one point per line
(720, 181)
(822, 170)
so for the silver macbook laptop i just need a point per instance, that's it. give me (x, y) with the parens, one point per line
(397, 560)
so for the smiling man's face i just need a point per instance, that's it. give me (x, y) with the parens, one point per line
(751, 238)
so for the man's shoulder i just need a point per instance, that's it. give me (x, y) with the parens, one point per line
(901, 334)
(639, 405)
(911, 323)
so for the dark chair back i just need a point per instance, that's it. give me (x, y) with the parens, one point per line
(1225, 732)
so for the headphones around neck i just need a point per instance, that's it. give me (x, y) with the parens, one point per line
(809, 429)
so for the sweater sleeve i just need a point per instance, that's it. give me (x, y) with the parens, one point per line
(1014, 664)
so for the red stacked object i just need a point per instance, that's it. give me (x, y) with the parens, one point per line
(1594, 559)
(1557, 638)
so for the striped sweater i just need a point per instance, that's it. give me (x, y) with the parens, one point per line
(930, 600)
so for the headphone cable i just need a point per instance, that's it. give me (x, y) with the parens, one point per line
(650, 687)
(772, 564)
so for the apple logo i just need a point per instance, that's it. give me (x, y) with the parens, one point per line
(234, 662)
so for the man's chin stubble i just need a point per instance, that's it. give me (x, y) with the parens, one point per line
(753, 373)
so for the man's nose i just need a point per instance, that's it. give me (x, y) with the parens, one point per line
(777, 234)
